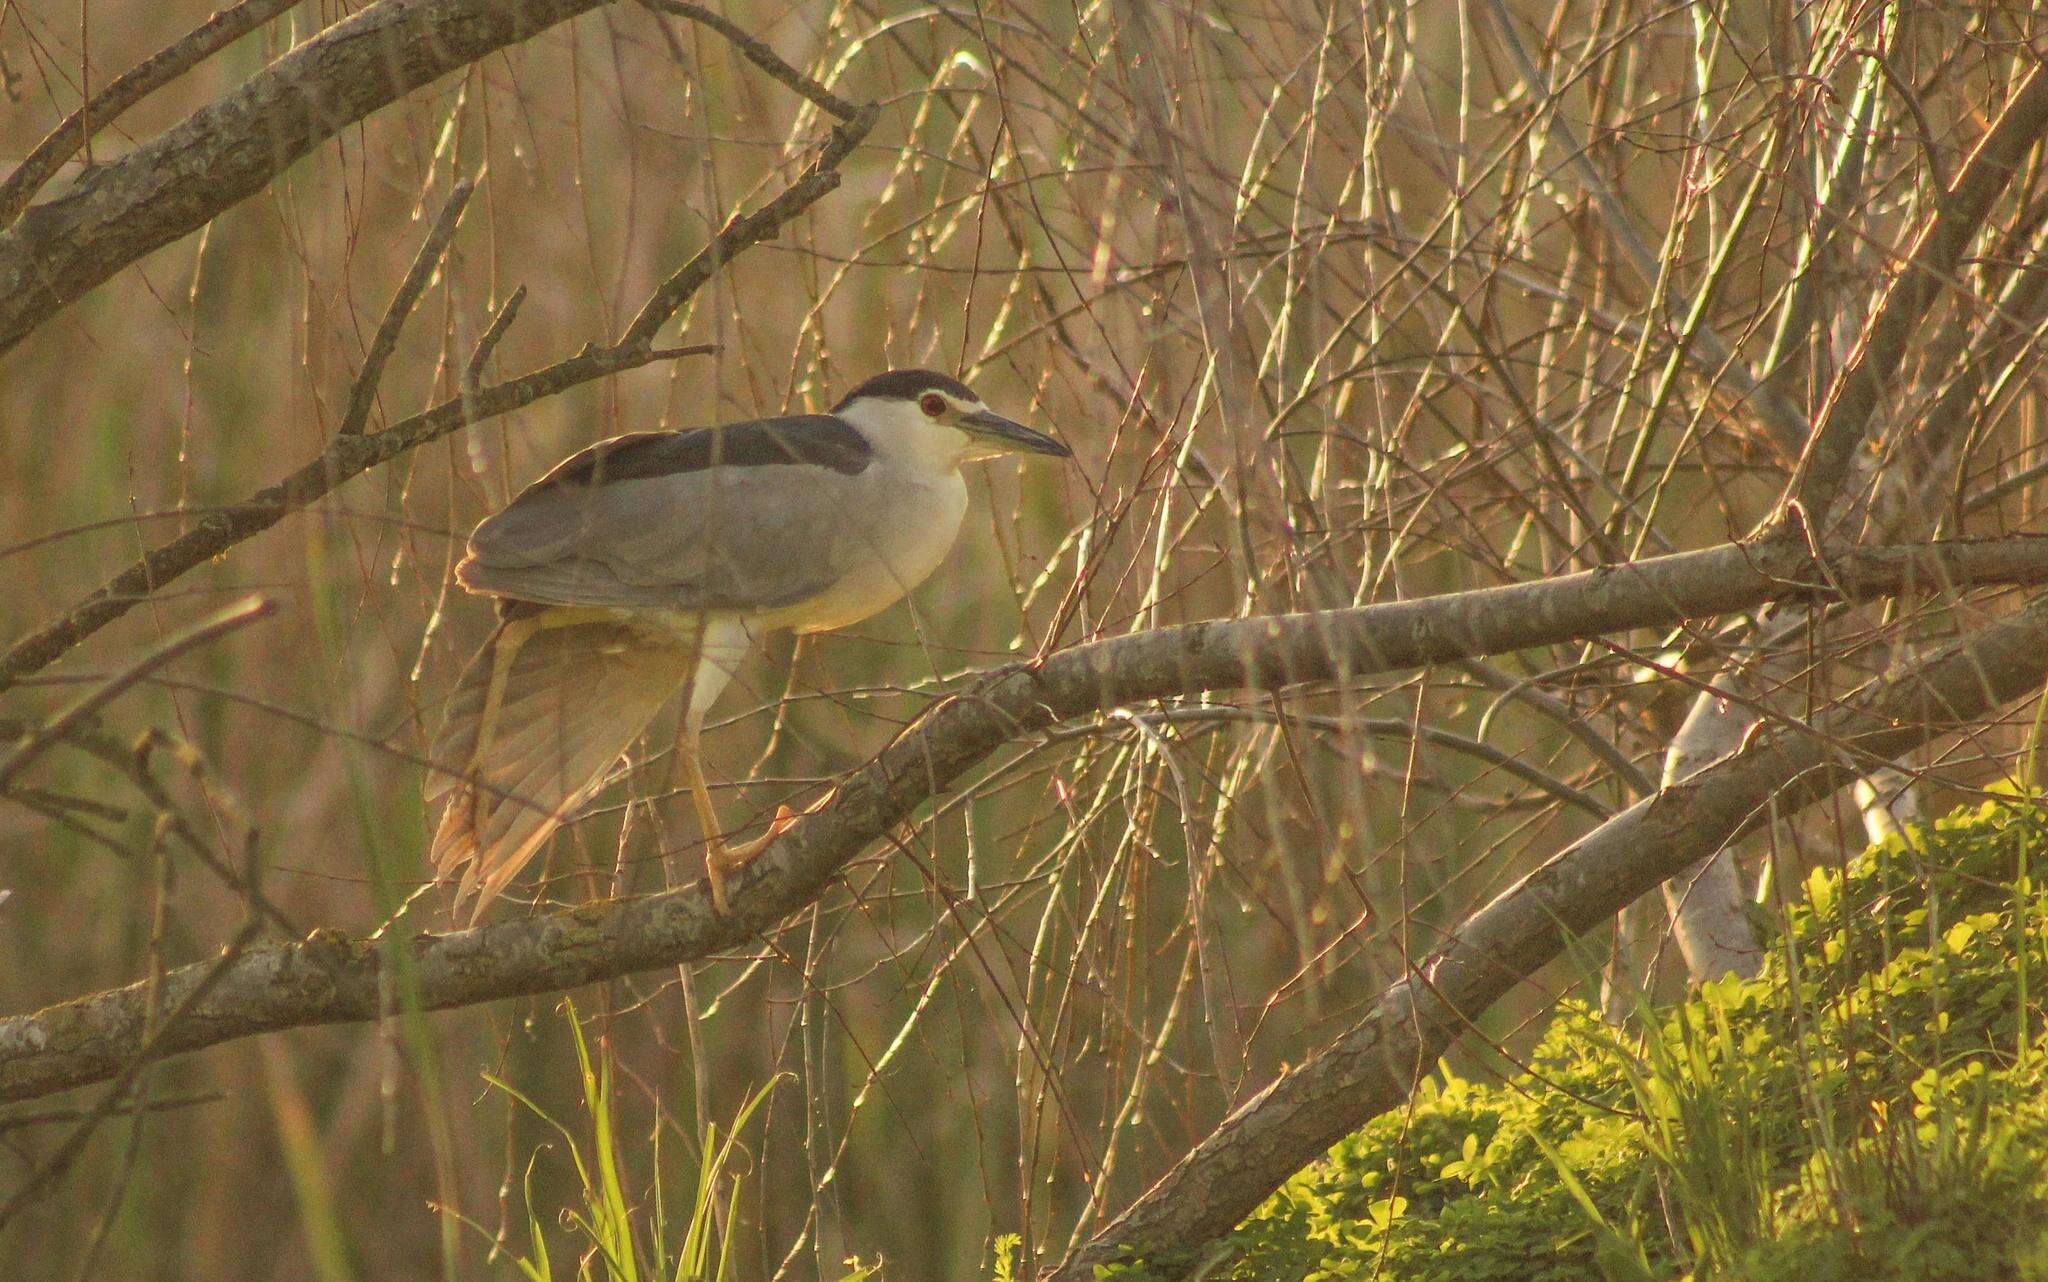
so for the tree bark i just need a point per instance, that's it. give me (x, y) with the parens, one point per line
(231, 149)
(1707, 904)
(332, 978)
(1372, 1068)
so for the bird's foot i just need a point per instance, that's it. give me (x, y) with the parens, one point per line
(722, 861)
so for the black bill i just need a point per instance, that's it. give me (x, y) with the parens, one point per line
(1010, 437)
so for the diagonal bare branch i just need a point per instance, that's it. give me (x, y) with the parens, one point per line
(80, 713)
(130, 87)
(229, 150)
(333, 978)
(756, 51)
(362, 394)
(345, 458)
(350, 455)
(1879, 355)
(1372, 1068)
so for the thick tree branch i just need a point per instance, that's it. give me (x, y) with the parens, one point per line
(1708, 908)
(229, 150)
(130, 87)
(331, 978)
(1880, 354)
(1372, 1068)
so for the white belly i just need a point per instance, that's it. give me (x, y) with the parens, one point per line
(888, 551)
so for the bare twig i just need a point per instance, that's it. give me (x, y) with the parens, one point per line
(1634, 776)
(137, 766)
(145, 78)
(58, 1116)
(350, 456)
(473, 372)
(757, 52)
(363, 392)
(54, 731)
(1372, 1068)
(331, 978)
(1393, 728)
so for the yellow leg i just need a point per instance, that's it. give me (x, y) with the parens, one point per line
(720, 860)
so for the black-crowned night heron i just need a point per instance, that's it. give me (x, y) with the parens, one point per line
(644, 566)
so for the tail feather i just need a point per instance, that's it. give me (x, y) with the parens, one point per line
(577, 691)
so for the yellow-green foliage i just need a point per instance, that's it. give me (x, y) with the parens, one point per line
(1870, 1107)
(615, 1234)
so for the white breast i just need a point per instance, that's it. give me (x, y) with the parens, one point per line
(888, 547)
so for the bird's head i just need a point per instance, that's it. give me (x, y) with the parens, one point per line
(924, 406)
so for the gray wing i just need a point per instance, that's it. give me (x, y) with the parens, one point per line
(748, 516)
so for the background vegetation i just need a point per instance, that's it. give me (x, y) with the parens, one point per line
(1337, 303)
(1870, 1106)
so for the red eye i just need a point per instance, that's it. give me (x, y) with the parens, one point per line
(932, 404)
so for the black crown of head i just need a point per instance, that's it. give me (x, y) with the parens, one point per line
(906, 385)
